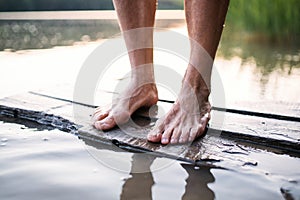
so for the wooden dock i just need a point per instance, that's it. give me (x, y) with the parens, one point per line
(226, 145)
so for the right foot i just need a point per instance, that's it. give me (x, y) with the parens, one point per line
(128, 102)
(189, 115)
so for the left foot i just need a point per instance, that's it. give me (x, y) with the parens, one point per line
(188, 117)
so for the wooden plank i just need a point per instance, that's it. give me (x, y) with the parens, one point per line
(230, 148)
(248, 126)
(25, 101)
(244, 126)
(271, 107)
(198, 153)
(280, 130)
(268, 109)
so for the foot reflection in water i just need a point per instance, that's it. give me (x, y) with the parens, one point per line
(197, 183)
(139, 185)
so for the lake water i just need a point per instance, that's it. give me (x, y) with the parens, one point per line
(41, 162)
(253, 72)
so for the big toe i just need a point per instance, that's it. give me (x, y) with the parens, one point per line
(105, 124)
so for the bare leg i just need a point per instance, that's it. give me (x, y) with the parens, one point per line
(141, 91)
(190, 114)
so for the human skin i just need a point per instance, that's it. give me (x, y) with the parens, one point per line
(190, 114)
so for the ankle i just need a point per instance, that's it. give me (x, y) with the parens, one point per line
(193, 80)
(149, 91)
(151, 88)
(143, 74)
(199, 78)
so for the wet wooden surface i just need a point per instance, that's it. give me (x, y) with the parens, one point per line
(226, 144)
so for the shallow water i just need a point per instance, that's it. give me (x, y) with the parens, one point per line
(36, 163)
(41, 162)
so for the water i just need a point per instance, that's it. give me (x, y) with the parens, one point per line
(264, 72)
(62, 167)
(268, 71)
(41, 162)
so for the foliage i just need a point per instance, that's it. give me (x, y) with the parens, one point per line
(268, 17)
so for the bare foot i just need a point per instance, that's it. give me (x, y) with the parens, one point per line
(128, 102)
(187, 118)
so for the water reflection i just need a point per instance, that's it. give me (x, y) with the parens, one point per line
(39, 34)
(18, 35)
(265, 71)
(266, 56)
(196, 183)
(61, 166)
(36, 34)
(140, 183)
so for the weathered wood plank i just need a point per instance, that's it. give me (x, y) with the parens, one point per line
(254, 123)
(240, 133)
(211, 149)
(271, 108)
(244, 127)
(260, 127)
(249, 125)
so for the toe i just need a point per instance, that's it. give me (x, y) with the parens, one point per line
(193, 134)
(105, 124)
(184, 135)
(175, 136)
(100, 115)
(165, 139)
(204, 121)
(156, 133)
(97, 125)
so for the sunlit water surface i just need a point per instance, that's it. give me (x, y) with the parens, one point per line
(250, 72)
(50, 164)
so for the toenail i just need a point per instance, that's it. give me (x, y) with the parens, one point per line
(108, 120)
(153, 134)
(103, 125)
(173, 140)
(181, 140)
(164, 140)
